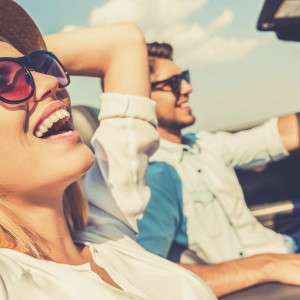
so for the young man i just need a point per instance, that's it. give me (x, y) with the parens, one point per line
(197, 209)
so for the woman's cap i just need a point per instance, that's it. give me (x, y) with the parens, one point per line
(18, 29)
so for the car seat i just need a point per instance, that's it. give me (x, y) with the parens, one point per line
(85, 119)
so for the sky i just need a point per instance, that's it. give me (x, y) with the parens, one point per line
(240, 76)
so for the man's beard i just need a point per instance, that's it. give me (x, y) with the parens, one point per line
(174, 124)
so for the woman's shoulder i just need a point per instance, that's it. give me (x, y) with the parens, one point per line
(174, 281)
(10, 272)
(9, 263)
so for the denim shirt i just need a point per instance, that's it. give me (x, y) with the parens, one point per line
(215, 223)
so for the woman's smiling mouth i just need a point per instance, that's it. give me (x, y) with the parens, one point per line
(57, 122)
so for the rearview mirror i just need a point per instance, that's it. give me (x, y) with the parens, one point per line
(282, 17)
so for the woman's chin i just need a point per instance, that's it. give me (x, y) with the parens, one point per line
(79, 164)
(86, 162)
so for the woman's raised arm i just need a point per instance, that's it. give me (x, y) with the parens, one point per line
(116, 52)
(115, 186)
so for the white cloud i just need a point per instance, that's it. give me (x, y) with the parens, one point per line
(154, 13)
(215, 50)
(223, 20)
(70, 27)
(168, 21)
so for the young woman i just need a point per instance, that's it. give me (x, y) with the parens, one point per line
(47, 249)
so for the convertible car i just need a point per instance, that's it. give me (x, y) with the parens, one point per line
(272, 191)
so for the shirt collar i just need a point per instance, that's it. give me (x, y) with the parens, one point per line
(174, 150)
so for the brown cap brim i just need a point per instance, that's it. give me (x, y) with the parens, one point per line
(18, 29)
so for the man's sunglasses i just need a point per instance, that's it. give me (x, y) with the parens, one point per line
(173, 82)
(16, 81)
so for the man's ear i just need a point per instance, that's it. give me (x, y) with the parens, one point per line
(151, 62)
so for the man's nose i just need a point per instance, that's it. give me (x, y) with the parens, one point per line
(186, 87)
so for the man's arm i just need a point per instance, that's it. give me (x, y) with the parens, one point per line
(232, 276)
(247, 148)
(288, 127)
(160, 222)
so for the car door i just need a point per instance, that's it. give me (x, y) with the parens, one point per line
(273, 193)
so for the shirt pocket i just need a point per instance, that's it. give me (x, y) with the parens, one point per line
(204, 213)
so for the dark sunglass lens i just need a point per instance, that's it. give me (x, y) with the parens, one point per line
(186, 76)
(175, 83)
(14, 85)
(48, 64)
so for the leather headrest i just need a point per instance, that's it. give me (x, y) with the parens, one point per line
(85, 119)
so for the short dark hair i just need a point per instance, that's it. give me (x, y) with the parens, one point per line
(158, 50)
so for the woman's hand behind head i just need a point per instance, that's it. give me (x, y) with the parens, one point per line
(116, 52)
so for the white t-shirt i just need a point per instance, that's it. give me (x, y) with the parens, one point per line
(118, 195)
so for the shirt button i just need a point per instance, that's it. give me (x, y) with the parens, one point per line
(199, 171)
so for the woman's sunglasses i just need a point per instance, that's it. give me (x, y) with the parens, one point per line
(173, 82)
(16, 81)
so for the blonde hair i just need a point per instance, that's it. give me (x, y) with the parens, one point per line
(15, 235)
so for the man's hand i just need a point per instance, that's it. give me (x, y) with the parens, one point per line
(232, 276)
(289, 127)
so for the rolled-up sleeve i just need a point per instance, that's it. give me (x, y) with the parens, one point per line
(255, 146)
(125, 139)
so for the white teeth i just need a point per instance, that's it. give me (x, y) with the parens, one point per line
(52, 119)
(60, 114)
(43, 128)
(48, 122)
(185, 104)
(66, 113)
(38, 134)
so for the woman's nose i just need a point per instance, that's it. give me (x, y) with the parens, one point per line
(45, 86)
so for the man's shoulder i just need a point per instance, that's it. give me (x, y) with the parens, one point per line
(160, 168)
(162, 172)
(212, 140)
(204, 134)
